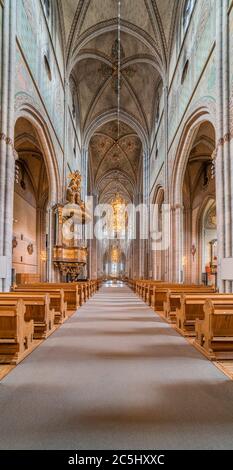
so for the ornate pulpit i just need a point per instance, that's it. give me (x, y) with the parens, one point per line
(70, 252)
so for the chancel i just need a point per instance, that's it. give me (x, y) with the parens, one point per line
(116, 225)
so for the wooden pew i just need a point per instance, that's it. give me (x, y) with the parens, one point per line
(192, 308)
(27, 278)
(16, 334)
(37, 309)
(161, 295)
(57, 301)
(99, 283)
(152, 288)
(93, 287)
(71, 293)
(142, 285)
(145, 289)
(173, 301)
(214, 333)
(75, 294)
(132, 284)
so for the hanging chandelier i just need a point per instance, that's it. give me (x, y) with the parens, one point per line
(118, 218)
(115, 254)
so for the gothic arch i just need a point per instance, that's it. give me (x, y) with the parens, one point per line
(36, 119)
(193, 122)
(198, 115)
(110, 116)
(206, 204)
(158, 194)
(112, 25)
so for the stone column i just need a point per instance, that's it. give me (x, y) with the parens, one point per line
(177, 245)
(40, 233)
(92, 247)
(144, 244)
(166, 175)
(7, 153)
(226, 144)
(223, 202)
(65, 141)
(50, 268)
(84, 171)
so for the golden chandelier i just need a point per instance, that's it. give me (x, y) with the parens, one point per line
(118, 214)
(115, 254)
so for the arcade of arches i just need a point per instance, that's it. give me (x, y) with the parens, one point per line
(108, 104)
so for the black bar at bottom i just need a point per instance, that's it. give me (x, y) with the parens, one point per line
(115, 458)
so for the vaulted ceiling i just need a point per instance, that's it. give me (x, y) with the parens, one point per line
(90, 35)
(115, 161)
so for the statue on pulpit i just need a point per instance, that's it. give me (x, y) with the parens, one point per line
(73, 194)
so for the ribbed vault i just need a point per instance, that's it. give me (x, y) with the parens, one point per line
(90, 32)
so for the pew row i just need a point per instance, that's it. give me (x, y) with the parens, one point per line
(192, 308)
(73, 299)
(57, 300)
(38, 309)
(214, 333)
(174, 296)
(16, 334)
(165, 300)
(75, 294)
(146, 289)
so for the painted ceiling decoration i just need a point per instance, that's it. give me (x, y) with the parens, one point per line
(112, 71)
(90, 32)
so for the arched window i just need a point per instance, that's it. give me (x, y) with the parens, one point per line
(185, 72)
(73, 108)
(47, 7)
(47, 67)
(187, 12)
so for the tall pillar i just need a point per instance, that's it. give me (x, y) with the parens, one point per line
(92, 247)
(7, 153)
(226, 143)
(84, 171)
(66, 137)
(144, 244)
(166, 178)
(177, 245)
(50, 244)
(223, 164)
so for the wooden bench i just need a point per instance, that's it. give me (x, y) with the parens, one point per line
(71, 293)
(142, 286)
(93, 287)
(37, 309)
(98, 283)
(16, 334)
(214, 333)
(152, 288)
(160, 298)
(57, 301)
(192, 308)
(27, 278)
(146, 289)
(173, 301)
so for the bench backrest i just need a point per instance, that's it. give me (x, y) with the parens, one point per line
(11, 319)
(222, 323)
(194, 305)
(219, 314)
(37, 304)
(56, 295)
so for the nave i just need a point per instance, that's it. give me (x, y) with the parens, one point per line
(115, 375)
